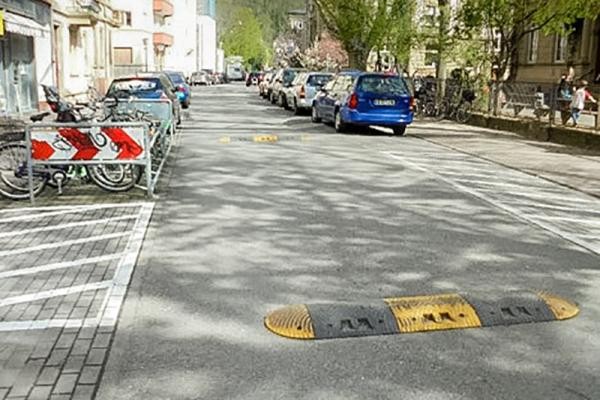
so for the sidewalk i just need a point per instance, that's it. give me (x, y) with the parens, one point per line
(569, 166)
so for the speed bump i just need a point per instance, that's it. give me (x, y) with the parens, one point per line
(398, 315)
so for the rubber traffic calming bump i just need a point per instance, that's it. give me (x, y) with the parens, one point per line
(417, 314)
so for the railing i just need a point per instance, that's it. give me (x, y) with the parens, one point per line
(534, 101)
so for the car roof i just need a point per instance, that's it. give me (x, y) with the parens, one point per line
(133, 77)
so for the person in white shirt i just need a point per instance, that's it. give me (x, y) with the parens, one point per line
(580, 96)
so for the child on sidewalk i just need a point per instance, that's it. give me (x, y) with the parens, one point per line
(579, 98)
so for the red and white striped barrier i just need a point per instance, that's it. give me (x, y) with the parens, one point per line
(101, 143)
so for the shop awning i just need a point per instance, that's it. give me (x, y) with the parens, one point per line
(24, 26)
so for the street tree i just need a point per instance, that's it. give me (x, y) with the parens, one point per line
(245, 38)
(364, 25)
(511, 21)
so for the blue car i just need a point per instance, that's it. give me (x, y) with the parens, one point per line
(146, 86)
(184, 93)
(365, 99)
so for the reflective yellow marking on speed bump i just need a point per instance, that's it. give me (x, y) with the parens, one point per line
(561, 308)
(266, 138)
(418, 314)
(433, 313)
(292, 322)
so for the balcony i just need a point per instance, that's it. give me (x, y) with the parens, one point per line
(162, 39)
(163, 8)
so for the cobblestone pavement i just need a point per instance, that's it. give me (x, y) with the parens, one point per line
(64, 273)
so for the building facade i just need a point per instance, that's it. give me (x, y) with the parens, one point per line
(544, 58)
(25, 55)
(133, 42)
(206, 36)
(82, 31)
(182, 55)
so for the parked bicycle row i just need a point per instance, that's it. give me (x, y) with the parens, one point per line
(355, 99)
(111, 142)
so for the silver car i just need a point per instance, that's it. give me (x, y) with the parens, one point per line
(305, 89)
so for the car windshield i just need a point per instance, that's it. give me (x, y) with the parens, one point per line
(176, 79)
(289, 75)
(382, 84)
(318, 80)
(135, 86)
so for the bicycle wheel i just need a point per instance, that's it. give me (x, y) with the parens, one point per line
(463, 114)
(115, 178)
(14, 182)
(442, 110)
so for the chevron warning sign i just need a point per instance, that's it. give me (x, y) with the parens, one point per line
(89, 144)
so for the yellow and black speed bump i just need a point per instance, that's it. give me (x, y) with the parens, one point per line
(417, 314)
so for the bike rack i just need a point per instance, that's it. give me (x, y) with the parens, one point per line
(160, 110)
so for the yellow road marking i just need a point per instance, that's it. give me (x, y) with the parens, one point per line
(561, 308)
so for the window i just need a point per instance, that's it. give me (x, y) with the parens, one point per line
(560, 48)
(123, 55)
(127, 18)
(431, 56)
(429, 15)
(532, 47)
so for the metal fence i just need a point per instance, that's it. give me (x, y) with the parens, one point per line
(528, 101)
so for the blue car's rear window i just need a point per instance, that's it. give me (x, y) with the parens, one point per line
(383, 84)
(177, 79)
(135, 86)
(318, 80)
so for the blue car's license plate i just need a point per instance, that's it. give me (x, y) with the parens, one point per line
(384, 102)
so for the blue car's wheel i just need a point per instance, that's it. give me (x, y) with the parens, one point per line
(340, 125)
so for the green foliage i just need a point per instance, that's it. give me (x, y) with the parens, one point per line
(364, 25)
(272, 14)
(245, 38)
(513, 20)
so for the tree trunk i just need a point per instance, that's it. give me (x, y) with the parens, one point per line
(357, 59)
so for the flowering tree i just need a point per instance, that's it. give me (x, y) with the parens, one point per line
(326, 53)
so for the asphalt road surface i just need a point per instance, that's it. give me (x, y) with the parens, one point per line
(248, 225)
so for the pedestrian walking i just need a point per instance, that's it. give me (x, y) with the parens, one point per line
(580, 97)
(565, 97)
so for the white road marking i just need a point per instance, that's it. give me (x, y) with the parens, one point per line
(48, 246)
(116, 294)
(51, 228)
(74, 207)
(592, 247)
(27, 298)
(116, 288)
(29, 217)
(46, 324)
(61, 265)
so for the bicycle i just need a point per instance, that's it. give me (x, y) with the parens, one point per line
(14, 182)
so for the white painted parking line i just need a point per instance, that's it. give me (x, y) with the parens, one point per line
(29, 297)
(500, 204)
(51, 228)
(73, 207)
(117, 292)
(61, 265)
(48, 246)
(122, 261)
(74, 210)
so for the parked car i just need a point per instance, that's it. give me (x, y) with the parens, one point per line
(365, 99)
(200, 78)
(284, 79)
(184, 91)
(146, 86)
(305, 88)
(254, 78)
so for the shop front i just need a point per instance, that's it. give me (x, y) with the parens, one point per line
(25, 55)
